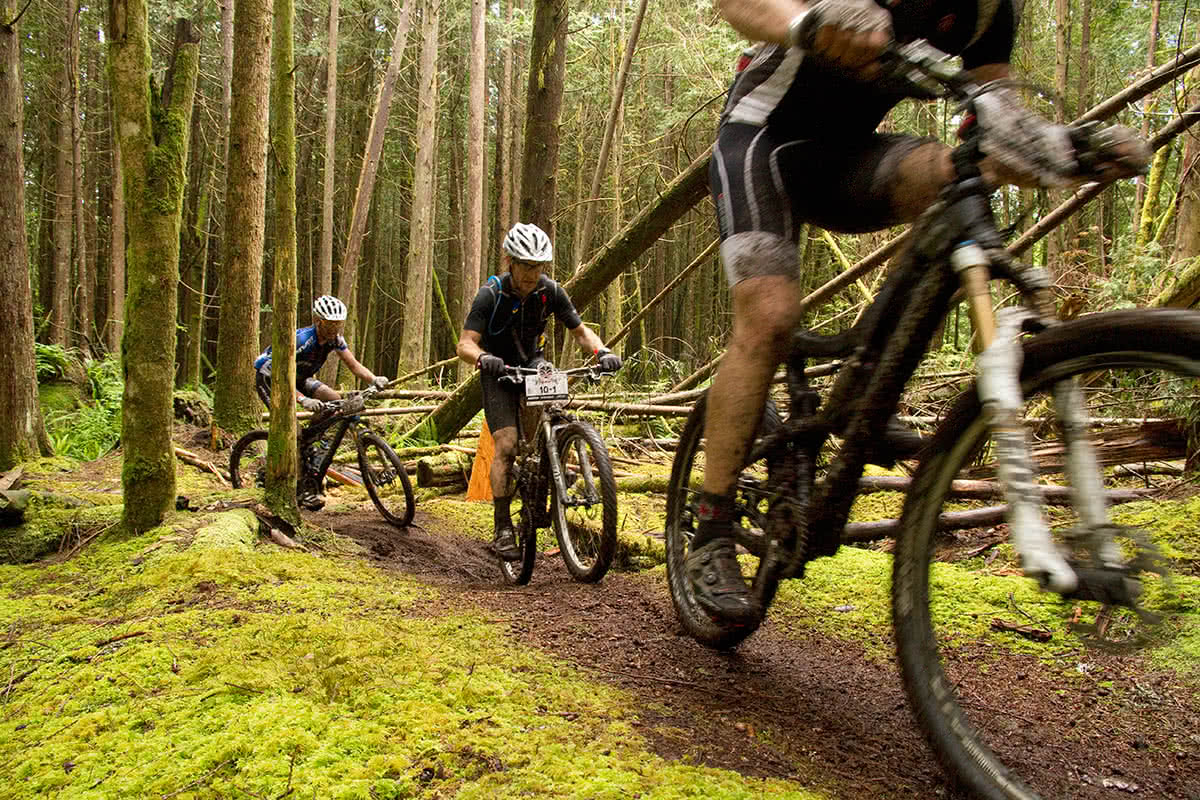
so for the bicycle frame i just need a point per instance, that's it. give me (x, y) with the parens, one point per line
(552, 418)
(955, 246)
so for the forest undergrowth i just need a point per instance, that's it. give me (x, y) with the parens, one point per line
(202, 660)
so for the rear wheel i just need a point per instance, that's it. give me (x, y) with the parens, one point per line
(683, 496)
(585, 520)
(1131, 368)
(248, 461)
(386, 481)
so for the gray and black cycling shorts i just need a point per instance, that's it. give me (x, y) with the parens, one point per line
(262, 384)
(765, 189)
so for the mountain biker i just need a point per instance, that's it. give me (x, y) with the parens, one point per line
(313, 346)
(506, 327)
(803, 114)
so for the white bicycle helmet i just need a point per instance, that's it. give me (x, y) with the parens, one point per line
(528, 242)
(328, 307)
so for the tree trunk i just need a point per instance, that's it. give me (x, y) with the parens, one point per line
(476, 138)
(348, 276)
(193, 255)
(1148, 110)
(614, 111)
(505, 116)
(323, 277)
(543, 104)
(114, 327)
(414, 347)
(60, 305)
(280, 493)
(154, 147)
(21, 432)
(1056, 242)
(235, 404)
(85, 298)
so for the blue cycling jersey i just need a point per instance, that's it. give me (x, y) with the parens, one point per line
(310, 353)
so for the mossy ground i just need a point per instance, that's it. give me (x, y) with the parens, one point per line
(200, 661)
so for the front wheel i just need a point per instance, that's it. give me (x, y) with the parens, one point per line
(524, 515)
(585, 519)
(248, 461)
(968, 678)
(683, 496)
(385, 479)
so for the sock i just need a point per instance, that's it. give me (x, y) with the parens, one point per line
(500, 511)
(714, 514)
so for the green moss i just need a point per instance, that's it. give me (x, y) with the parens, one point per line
(47, 530)
(249, 671)
(58, 396)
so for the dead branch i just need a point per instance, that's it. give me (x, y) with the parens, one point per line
(1028, 631)
(188, 457)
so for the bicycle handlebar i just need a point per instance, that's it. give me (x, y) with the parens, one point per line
(514, 374)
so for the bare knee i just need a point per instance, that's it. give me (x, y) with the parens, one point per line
(920, 176)
(766, 310)
(505, 441)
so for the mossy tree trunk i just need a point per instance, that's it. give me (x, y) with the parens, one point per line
(414, 344)
(21, 431)
(235, 404)
(281, 444)
(154, 146)
(543, 104)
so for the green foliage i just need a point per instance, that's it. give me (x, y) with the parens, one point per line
(94, 428)
(51, 361)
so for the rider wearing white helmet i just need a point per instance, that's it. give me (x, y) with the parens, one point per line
(313, 346)
(506, 327)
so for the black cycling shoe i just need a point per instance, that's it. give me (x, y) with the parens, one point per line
(506, 544)
(311, 501)
(717, 582)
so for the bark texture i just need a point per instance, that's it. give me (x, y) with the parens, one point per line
(154, 146)
(281, 442)
(21, 429)
(235, 404)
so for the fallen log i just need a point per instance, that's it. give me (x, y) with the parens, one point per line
(990, 490)
(445, 469)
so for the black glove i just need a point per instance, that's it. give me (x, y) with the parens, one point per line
(609, 361)
(491, 365)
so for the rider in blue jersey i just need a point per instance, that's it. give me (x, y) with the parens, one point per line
(313, 346)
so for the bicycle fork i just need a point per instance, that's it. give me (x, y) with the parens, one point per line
(1000, 393)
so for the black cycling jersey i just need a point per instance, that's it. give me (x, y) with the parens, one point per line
(781, 87)
(512, 328)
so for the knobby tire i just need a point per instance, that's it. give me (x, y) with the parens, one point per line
(1136, 347)
(587, 548)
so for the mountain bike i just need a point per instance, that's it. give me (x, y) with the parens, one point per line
(381, 470)
(562, 478)
(1037, 377)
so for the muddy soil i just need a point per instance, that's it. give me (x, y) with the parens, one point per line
(791, 704)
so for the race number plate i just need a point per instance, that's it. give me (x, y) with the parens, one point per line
(547, 386)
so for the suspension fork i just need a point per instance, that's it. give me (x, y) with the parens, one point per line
(1001, 396)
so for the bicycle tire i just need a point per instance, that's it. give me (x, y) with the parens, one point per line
(519, 571)
(680, 526)
(587, 551)
(936, 669)
(245, 459)
(382, 476)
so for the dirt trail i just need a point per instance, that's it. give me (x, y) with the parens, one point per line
(787, 703)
